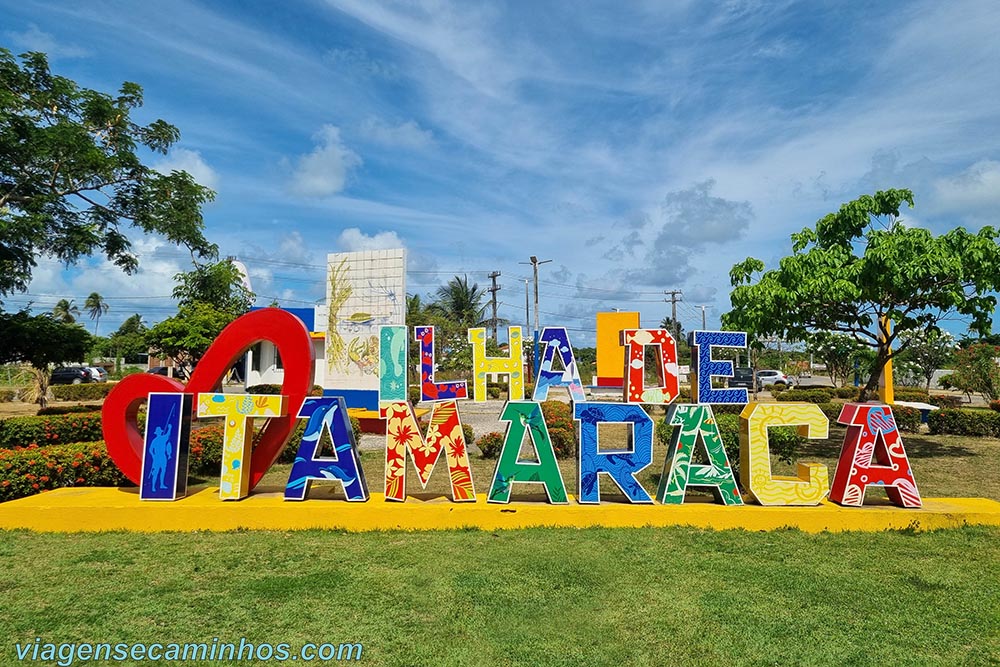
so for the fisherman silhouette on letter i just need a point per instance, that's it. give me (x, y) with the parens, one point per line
(159, 450)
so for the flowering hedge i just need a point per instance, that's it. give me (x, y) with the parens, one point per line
(81, 392)
(25, 471)
(50, 430)
(965, 421)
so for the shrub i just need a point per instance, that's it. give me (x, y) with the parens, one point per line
(414, 395)
(831, 410)
(81, 392)
(206, 450)
(910, 394)
(784, 441)
(264, 389)
(469, 433)
(965, 421)
(125, 372)
(562, 429)
(728, 408)
(946, 401)
(317, 390)
(529, 390)
(6, 395)
(31, 470)
(50, 430)
(806, 395)
(68, 409)
(907, 419)
(493, 391)
(850, 393)
(995, 405)
(491, 444)
(777, 388)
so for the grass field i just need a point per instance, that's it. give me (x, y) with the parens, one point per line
(545, 597)
(541, 596)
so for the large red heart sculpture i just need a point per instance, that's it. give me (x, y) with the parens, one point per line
(289, 335)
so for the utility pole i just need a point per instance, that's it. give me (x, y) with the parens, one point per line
(675, 296)
(704, 326)
(493, 291)
(534, 265)
(527, 312)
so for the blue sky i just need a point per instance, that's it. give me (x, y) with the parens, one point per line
(642, 147)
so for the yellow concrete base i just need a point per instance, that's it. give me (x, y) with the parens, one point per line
(96, 509)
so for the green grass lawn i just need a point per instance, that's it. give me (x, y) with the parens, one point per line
(643, 596)
(541, 596)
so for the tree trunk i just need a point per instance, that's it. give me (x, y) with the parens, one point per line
(870, 391)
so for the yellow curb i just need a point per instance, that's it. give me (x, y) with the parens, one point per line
(99, 509)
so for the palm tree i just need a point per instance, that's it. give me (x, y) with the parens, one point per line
(460, 303)
(66, 311)
(96, 306)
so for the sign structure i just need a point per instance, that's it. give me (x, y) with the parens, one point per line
(873, 452)
(364, 291)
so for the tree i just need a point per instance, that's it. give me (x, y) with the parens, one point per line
(460, 303)
(928, 350)
(129, 341)
(862, 272)
(40, 340)
(220, 284)
(976, 371)
(187, 335)
(96, 306)
(66, 311)
(71, 176)
(836, 351)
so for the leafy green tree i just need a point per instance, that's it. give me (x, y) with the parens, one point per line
(976, 371)
(66, 311)
(40, 340)
(220, 284)
(860, 269)
(187, 335)
(96, 306)
(928, 350)
(71, 174)
(836, 351)
(129, 341)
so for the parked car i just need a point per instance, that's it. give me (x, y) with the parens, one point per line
(71, 375)
(179, 373)
(770, 377)
(742, 377)
(98, 373)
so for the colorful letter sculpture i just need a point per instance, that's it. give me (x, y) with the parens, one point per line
(526, 417)
(704, 368)
(811, 484)
(621, 465)
(635, 342)
(402, 435)
(697, 423)
(239, 411)
(555, 341)
(610, 353)
(392, 363)
(327, 414)
(872, 434)
(429, 389)
(512, 365)
(167, 445)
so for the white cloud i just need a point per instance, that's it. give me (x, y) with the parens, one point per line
(405, 135)
(353, 239)
(975, 189)
(183, 159)
(324, 171)
(34, 39)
